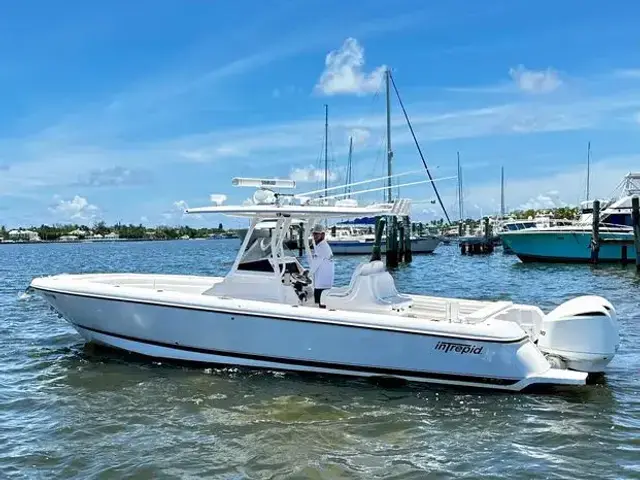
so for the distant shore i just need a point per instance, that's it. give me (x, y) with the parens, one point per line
(115, 240)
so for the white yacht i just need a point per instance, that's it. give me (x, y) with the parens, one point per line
(570, 241)
(262, 314)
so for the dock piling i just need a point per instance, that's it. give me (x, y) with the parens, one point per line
(392, 243)
(635, 220)
(376, 253)
(408, 255)
(401, 244)
(595, 232)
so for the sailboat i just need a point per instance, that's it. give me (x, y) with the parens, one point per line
(357, 237)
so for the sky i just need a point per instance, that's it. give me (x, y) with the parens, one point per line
(132, 111)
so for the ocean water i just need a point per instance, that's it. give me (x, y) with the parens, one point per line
(70, 410)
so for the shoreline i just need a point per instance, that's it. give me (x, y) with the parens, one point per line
(115, 240)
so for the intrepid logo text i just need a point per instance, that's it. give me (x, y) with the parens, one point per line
(461, 348)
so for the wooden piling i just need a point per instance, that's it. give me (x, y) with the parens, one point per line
(635, 221)
(595, 232)
(408, 255)
(392, 243)
(376, 253)
(401, 233)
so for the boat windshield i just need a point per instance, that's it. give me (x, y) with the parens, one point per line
(258, 256)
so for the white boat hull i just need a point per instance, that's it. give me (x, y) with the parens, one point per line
(202, 332)
(364, 247)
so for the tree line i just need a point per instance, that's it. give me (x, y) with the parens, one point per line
(134, 232)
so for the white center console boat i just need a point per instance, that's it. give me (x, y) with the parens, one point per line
(262, 314)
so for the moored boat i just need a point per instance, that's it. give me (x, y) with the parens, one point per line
(552, 240)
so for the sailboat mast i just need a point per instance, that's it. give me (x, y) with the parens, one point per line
(501, 192)
(460, 201)
(588, 167)
(349, 177)
(326, 148)
(389, 151)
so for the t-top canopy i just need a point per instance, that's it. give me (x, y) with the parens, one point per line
(398, 208)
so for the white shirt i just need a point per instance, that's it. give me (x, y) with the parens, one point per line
(322, 265)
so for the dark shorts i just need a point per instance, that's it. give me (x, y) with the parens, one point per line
(317, 292)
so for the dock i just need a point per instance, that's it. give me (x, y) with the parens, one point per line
(481, 243)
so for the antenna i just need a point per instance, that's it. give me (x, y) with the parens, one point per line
(263, 182)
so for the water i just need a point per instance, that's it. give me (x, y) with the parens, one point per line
(72, 411)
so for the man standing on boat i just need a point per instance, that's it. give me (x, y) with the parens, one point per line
(321, 264)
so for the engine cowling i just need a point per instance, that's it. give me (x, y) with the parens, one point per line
(582, 332)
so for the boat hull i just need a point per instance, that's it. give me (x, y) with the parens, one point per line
(355, 247)
(569, 247)
(194, 334)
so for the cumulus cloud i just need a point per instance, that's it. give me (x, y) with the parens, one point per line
(177, 211)
(77, 208)
(542, 201)
(343, 73)
(535, 81)
(310, 174)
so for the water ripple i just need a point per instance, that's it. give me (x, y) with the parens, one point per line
(75, 411)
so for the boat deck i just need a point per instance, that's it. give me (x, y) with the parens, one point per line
(493, 321)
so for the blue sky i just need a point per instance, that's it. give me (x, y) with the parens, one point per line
(130, 111)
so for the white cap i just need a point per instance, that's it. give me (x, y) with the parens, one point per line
(318, 228)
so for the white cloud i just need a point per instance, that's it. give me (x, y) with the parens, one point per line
(360, 135)
(78, 209)
(310, 174)
(343, 72)
(547, 200)
(180, 205)
(209, 154)
(114, 177)
(535, 81)
(177, 212)
(217, 198)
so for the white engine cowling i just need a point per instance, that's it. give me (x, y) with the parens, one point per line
(582, 332)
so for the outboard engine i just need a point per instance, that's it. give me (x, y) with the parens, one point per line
(581, 334)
